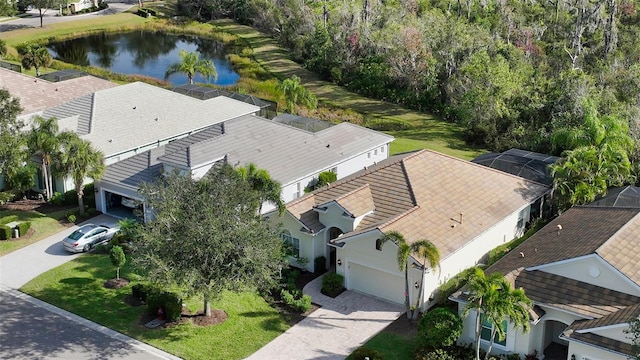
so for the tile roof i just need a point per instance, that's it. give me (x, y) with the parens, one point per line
(277, 147)
(138, 114)
(37, 94)
(574, 296)
(357, 202)
(422, 195)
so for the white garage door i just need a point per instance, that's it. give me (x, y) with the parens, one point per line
(377, 283)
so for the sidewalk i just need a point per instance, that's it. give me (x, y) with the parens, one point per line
(335, 330)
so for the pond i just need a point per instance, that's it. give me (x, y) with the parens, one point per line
(145, 53)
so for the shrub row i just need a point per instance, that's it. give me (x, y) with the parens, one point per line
(8, 219)
(295, 299)
(6, 232)
(170, 303)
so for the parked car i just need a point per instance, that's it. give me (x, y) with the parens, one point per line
(88, 236)
(130, 203)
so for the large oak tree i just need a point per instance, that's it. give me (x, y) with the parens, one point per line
(206, 236)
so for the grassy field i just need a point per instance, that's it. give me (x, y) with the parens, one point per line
(42, 225)
(424, 130)
(77, 287)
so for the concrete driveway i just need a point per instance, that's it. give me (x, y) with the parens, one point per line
(32, 329)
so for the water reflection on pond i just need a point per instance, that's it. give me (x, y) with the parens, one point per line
(145, 53)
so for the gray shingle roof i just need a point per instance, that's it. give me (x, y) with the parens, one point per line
(278, 148)
(80, 108)
(133, 171)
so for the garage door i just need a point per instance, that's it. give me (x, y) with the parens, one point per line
(377, 283)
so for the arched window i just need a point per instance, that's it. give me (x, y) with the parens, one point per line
(379, 244)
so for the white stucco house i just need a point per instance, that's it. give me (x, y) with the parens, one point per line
(130, 119)
(582, 272)
(292, 156)
(463, 208)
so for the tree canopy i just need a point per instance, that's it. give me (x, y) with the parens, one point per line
(12, 155)
(206, 236)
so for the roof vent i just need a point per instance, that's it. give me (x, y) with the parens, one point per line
(110, 140)
(328, 146)
(521, 254)
(559, 227)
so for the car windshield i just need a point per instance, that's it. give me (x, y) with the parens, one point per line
(78, 233)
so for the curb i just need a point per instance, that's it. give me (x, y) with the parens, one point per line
(89, 324)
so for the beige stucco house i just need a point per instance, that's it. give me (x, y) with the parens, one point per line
(582, 272)
(463, 208)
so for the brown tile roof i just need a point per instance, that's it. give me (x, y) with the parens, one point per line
(621, 250)
(357, 202)
(571, 295)
(422, 194)
(584, 231)
(622, 316)
(38, 94)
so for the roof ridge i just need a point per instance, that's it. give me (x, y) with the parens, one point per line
(347, 123)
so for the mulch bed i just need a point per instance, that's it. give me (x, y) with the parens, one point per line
(116, 283)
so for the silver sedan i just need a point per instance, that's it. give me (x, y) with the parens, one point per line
(88, 236)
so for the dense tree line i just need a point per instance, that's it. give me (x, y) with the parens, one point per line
(511, 72)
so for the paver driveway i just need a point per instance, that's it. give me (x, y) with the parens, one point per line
(335, 330)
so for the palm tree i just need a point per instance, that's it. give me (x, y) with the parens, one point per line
(492, 298)
(44, 143)
(294, 92)
(424, 249)
(79, 160)
(191, 64)
(270, 190)
(34, 55)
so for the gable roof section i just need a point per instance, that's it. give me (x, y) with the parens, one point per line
(584, 230)
(79, 109)
(37, 94)
(138, 114)
(277, 147)
(422, 194)
(621, 250)
(357, 202)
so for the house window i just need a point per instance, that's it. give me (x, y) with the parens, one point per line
(521, 216)
(382, 149)
(298, 192)
(375, 152)
(292, 244)
(486, 332)
(379, 244)
(369, 155)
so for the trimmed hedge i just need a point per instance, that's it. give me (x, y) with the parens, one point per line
(366, 353)
(8, 219)
(141, 291)
(295, 299)
(332, 284)
(23, 227)
(170, 303)
(5, 232)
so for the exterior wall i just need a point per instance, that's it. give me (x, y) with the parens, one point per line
(586, 352)
(333, 218)
(468, 334)
(307, 241)
(594, 270)
(292, 190)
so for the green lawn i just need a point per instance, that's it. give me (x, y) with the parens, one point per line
(43, 226)
(77, 287)
(392, 346)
